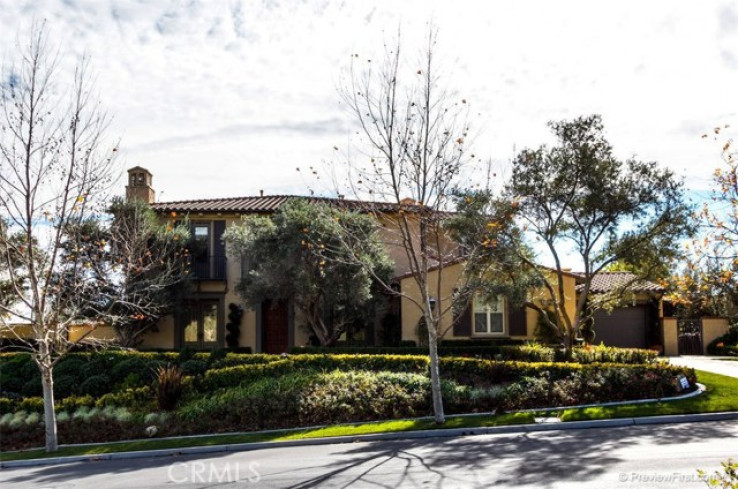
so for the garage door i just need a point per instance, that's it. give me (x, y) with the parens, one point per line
(625, 327)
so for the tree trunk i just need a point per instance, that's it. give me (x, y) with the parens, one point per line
(47, 382)
(438, 414)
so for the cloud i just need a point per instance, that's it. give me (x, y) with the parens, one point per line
(728, 20)
(333, 127)
(247, 88)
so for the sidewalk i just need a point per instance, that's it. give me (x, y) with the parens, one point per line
(716, 365)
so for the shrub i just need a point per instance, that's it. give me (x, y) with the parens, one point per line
(169, 386)
(339, 397)
(135, 371)
(609, 354)
(32, 387)
(533, 352)
(239, 374)
(233, 359)
(96, 385)
(193, 367)
(216, 354)
(64, 386)
(16, 370)
(138, 399)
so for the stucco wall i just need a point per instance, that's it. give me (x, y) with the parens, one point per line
(671, 339)
(411, 313)
(711, 329)
(101, 332)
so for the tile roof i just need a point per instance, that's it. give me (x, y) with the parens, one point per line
(610, 281)
(262, 204)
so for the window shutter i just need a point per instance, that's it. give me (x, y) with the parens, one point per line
(219, 260)
(518, 321)
(218, 245)
(463, 325)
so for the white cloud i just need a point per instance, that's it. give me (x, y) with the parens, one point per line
(226, 98)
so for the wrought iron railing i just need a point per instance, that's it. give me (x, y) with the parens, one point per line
(209, 267)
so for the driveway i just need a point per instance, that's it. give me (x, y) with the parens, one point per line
(716, 365)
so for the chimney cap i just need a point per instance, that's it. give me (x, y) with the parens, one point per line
(138, 169)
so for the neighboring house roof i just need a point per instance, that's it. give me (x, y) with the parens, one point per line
(268, 203)
(605, 282)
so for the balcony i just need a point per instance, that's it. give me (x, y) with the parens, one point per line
(209, 267)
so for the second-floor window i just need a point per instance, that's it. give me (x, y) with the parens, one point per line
(208, 250)
(489, 316)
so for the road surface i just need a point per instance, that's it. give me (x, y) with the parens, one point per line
(629, 457)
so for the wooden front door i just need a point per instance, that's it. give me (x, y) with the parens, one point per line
(274, 326)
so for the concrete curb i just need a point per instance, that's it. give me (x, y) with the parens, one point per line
(400, 435)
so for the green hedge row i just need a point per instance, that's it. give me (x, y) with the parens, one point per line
(526, 353)
(242, 374)
(468, 371)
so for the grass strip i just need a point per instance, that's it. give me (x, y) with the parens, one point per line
(329, 431)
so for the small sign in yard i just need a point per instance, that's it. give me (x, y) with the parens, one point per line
(683, 382)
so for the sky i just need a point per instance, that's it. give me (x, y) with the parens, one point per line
(227, 98)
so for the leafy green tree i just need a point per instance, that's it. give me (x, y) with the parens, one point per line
(131, 269)
(578, 198)
(495, 261)
(299, 254)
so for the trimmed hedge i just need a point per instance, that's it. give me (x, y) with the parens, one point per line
(526, 353)
(242, 374)
(471, 371)
(474, 372)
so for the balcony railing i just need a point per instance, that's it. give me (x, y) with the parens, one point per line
(210, 267)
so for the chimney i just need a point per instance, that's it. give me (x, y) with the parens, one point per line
(139, 185)
(261, 193)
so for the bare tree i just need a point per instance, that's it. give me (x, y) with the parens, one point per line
(128, 271)
(54, 170)
(414, 145)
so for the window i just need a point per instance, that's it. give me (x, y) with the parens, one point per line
(202, 231)
(489, 316)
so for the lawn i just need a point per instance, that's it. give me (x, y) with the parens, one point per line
(720, 396)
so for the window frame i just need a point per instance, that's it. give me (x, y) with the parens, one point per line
(479, 306)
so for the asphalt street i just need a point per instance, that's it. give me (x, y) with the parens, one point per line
(657, 456)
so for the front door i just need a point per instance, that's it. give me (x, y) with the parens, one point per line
(201, 325)
(274, 327)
